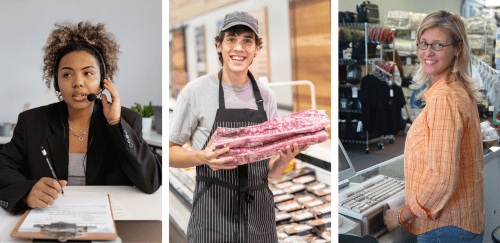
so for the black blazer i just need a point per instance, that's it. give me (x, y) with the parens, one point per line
(116, 154)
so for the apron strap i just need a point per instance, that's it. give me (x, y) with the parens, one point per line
(222, 104)
(256, 92)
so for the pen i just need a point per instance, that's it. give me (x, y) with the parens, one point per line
(51, 169)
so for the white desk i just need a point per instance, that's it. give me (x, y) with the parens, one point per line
(152, 137)
(140, 205)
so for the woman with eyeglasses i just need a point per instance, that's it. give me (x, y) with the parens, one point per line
(444, 184)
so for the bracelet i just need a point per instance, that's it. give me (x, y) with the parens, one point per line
(401, 220)
(402, 215)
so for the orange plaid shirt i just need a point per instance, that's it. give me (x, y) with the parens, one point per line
(444, 162)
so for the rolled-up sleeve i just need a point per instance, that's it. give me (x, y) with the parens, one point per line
(445, 124)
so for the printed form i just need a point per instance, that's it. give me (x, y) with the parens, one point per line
(80, 208)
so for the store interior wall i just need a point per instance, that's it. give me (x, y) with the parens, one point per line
(26, 25)
(420, 6)
(278, 46)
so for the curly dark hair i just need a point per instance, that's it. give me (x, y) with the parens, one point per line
(62, 41)
(238, 30)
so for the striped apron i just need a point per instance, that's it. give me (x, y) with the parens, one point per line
(233, 205)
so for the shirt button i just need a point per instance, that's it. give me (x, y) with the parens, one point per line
(130, 145)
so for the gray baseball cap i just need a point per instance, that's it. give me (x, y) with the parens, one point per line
(240, 18)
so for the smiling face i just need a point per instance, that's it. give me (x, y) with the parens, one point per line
(238, 51)
(437, 63)
(78, 75)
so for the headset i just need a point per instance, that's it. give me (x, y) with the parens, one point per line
(65, 50)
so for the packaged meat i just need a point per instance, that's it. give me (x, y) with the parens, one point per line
(302, 198)
(323, 210)
(320, 241)
(328, 197)
(273, 130)
(294, 188)
(304, 179)
(300, 229)
(315, 186)
(285, 226)
(282, 235)
(294, 239)
(289, 206)
(309, 239)
(302, 216)
(277, 192)
(282, 218)
(302, 172)
(322, 192)
(323, 222)
(327, 235)
(313, 203)
(258, 142)
(282, 198)
(284, 184)
(282, 178)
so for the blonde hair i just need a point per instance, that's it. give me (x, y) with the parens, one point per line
(461, 71)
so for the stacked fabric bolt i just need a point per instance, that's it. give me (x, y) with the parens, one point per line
(254, 143)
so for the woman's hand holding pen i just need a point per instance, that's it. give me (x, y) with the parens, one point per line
(112, 111)
(208, 156)
(44, 192)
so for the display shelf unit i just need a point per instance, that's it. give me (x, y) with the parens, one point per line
(349, 114)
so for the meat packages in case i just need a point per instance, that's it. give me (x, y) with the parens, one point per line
(258, 142)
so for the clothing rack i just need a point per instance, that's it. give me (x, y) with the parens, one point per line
(483, 65)
(490, 82)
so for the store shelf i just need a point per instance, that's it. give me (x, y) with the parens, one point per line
(347, 62)
(353, 141)
(352, 25)
(350, 110)
(345, 86)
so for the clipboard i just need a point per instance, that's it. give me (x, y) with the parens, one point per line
(86, 236)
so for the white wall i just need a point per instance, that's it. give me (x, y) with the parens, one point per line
(25, 26)
(418, 6)
(278, 46)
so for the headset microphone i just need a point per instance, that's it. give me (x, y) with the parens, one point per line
(91, 97)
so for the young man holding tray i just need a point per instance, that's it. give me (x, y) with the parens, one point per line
(231, 203)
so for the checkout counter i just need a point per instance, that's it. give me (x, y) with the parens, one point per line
(395, 168)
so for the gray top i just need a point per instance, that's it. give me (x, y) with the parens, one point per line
(197, 104)
(76, 171)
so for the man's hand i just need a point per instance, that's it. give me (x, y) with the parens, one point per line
(209, 157)
(290, 154)
(391, 219)
(279, 163)
(44, 192)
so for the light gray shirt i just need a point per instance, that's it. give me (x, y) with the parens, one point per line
(76, 171)
(197, 104)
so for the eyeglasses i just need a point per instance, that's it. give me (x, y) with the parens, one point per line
(435, 46)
